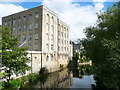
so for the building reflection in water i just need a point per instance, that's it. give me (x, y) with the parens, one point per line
(58, 79)
(79, 77)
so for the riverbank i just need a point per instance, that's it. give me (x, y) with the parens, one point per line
(85, 63)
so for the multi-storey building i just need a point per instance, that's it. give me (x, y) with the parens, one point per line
(44, 33)
(78, 48)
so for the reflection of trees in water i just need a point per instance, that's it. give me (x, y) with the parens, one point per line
(106, 77)
(81, 70)
(59, 79)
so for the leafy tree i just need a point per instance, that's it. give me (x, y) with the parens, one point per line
(102, 45)
(14, 58)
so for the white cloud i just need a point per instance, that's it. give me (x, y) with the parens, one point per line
(8, 8)
(76, 16)
(99, 0)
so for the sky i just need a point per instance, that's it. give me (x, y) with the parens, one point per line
(76, 13)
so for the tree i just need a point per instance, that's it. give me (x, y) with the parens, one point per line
(102, 45)
(14, 58)
(103, 38)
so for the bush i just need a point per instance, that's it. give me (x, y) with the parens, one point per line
(32, 77)
(15, 83)
(43, 71)
(7, 85)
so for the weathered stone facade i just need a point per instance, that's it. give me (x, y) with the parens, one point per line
(46, 36)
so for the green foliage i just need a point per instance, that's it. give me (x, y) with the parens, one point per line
(20, 82)
(102, 45)
(43, 75)
(43, 71)
(32, 77)
(14, 58)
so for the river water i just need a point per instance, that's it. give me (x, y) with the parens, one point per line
(79, 77)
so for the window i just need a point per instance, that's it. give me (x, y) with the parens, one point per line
(24, 27)
(29, 37)
(14, 29)
(9, 22)
(65, 35)
(58, 56)
(24, 38)
(14, 21)
(47, 58)
(47, 37)
(51, 46)
(36, 47)
(36, 36)
(63, 57)
(30, 17)
(47, 27)
(19, 37)
(47, 47)
(30, 26)
(62, 34)
(52, 37)
(19, 28)
(35, 58)
(30, 46)
(51, 57)
(58, 27)
(36, 25)
(58, 48)
(5, 23)
(62, 41)
(52, 28)
(37, 15)
(62, 28)
(62, 48)
(58, 33)
(47, 19)
(19, 20)
(58, 41)
(24, 18)
(52, 21)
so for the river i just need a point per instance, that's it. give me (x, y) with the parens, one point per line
(80, 77)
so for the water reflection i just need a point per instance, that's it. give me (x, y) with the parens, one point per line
(82, 77)
(60, 79)
(79, 77)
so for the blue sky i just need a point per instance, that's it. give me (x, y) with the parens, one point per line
(77, 15)
(29, 5)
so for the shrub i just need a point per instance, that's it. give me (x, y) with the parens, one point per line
(43, 71)
(15, 83)
(6, 85)
(32, 77)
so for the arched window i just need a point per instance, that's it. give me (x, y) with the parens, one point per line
(52, 21)
(52, 25)
(51, 57)
(51, 46)
(37, 15)
(58, 27)
(47, 22)
(47, 58)
(47, 47)
(47, 19)
(35, 58)
(47, 37)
